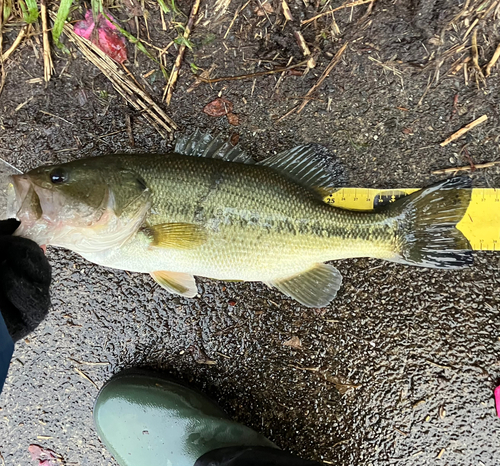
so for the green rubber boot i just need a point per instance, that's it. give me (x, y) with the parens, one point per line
(147, 420)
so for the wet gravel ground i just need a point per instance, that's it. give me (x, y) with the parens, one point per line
(399, 369)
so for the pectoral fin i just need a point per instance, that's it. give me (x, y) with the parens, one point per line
(176, 283)
(177, 235)
(315, 287)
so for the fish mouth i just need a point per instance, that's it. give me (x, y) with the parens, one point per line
(22, 184)
(26, 206)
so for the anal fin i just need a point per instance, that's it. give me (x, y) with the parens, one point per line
(177, 283)
(315, 287)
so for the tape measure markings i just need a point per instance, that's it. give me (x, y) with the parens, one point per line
(481, 223)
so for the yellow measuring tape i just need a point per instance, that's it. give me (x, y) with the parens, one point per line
(481, 222)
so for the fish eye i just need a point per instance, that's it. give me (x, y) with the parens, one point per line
(58, 176)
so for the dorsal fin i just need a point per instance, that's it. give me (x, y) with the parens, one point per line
(309, 165)
(201, 144)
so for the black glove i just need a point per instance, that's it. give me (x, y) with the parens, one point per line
(25, 276)
(251, 456)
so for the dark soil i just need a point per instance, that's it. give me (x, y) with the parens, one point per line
(399, 369)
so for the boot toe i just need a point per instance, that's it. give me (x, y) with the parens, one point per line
(147, 420)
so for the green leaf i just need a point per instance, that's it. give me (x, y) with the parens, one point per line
(96, 7)
(164, 6)
(62, 14)
(194, 68)
(174, 8)
(7, 10)
(181, 40)
(30, 10)
(169, 9)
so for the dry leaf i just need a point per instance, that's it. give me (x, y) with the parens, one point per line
(218, 107)
(233, 119)
(342, 384)
(234, 139)
(263, 9)
(44, 456)
(294, 342)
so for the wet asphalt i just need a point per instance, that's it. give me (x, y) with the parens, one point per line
(399, 369)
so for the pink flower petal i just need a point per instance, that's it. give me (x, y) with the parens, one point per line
(108, 38)
(84, 28)
(105, 23)
(497, 400)
(44, 456)
(112, 44)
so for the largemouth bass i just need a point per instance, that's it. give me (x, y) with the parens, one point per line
(207, 209)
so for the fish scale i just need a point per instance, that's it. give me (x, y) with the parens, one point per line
(237, 212)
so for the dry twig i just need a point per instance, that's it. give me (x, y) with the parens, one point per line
(220, 8)
(467, 168)
(86, 377)
(286, 11)
(17, 41)
(48, 67)
(475, 55)
(251, 75)
(464, 130)
(301, 42)
(238, 11)
(325, 75)
(169, 88)
(457, 66)
(493, 61)
(345, 5)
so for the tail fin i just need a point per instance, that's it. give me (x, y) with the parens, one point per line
(427, 234)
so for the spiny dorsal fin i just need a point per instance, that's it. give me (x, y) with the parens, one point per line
(309, 165)
(315, 287)
(176, 283)
(199, 144)
(177, 235)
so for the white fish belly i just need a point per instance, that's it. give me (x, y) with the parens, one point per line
(236, 259)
